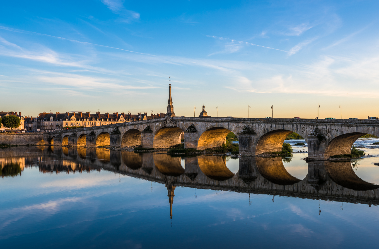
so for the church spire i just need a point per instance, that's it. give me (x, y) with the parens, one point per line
(170, 107)
(171, 197)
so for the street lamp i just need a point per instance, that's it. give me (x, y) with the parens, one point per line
(272, 111)
(318, 112)
(248, 106)
(194, 108)
(217, 110)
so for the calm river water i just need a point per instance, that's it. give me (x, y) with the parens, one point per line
(96, 198)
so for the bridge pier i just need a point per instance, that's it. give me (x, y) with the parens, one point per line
(316, 174)
(247, 144)
(57, 141)
(191, 168)
(115, 140)
(72, 140)
(190, 140)
(91, 140)
(316, 148)
(147, 139)
(115, 157)
(91, 154)
(247, 169)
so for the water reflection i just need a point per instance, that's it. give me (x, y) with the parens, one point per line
(214, 167)
(324, 179)
(86, 190)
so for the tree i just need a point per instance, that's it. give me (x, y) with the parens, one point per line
(11, 169)
(11, 121)
(0, 121)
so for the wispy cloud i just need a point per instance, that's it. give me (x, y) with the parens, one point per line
(43, 55)
(117, 6)
(242, 43)
(298, 29)
(87, 83)
(71, 40)
(300, 46)
(345, 39)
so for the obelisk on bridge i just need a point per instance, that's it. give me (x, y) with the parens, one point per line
(170, 107)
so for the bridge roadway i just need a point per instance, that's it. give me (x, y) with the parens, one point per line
(326, 180)
(257, 137)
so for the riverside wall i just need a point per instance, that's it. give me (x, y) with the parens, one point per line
(22, 139)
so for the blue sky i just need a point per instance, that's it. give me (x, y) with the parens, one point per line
(116, 55)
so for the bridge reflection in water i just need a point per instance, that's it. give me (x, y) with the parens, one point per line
(334, 181)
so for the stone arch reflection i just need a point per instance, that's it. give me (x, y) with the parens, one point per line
(132, 160)
(343, 174)
(82, 152)
(273, 170)
(103, 155)
(168, 165)
(214, 167)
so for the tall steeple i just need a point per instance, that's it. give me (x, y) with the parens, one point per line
(171, 195)
(170, 107)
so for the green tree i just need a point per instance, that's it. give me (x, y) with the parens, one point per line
(11, 121)
(11, 169)
(0, 121)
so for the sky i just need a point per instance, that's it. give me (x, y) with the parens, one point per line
(117, 56)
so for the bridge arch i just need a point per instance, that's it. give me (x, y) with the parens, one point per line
(103, 139)
(65, 141)
(82, 140)
(167, 137)
(272, 142)
(213, 137)
(131, 138)
(342, 144)
(51, 140)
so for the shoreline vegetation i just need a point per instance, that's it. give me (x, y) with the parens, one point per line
(355, 154)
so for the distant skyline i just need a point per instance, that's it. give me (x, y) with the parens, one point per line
(117, 56)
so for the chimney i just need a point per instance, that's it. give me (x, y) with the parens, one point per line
(74, 114)
(88, 114)
(98, 114)
(57, 114)
(20, 114)
(68, 114)
(116, 114)
(81, 114)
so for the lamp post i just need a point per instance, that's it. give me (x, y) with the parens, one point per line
(340, 111)
(248, 106)
(318, 112)
(194, 109)
(272, 111)
(217, 110)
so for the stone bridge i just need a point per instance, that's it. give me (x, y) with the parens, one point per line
(326, 180)
(257, 137)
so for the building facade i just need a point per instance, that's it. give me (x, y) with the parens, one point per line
(20, 128)
(48, 122)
